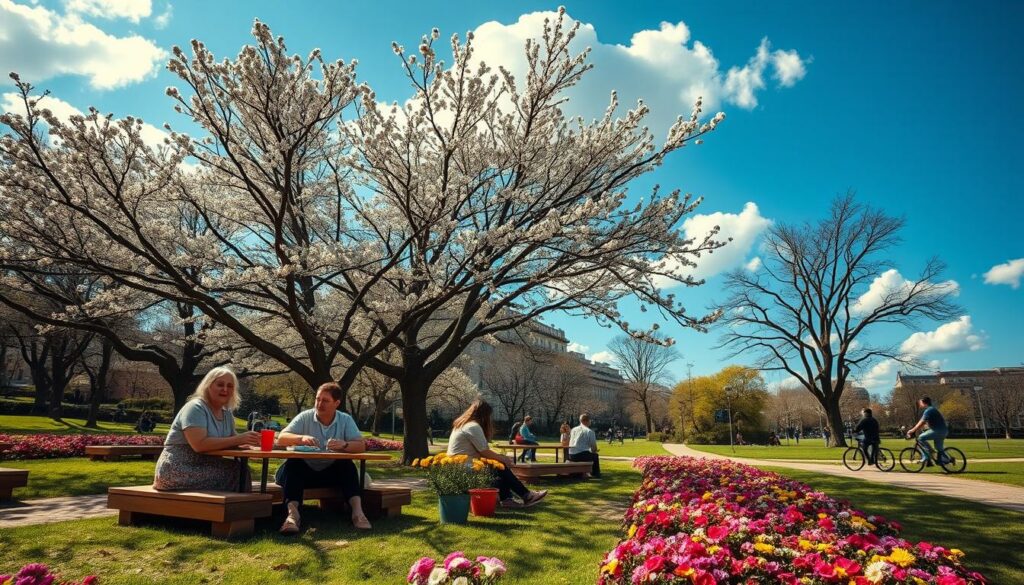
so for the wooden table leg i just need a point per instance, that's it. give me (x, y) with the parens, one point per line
(243, 465)
(362, 473)
(263, 478)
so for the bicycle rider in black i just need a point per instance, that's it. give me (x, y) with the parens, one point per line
(872, 440)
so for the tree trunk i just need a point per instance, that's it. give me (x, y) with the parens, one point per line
(835, 424)
(98, 383)
(647, 417)
(414, 413)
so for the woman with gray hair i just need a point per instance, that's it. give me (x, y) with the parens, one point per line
(205, 423)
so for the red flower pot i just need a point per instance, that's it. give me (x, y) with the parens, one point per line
(482, 501)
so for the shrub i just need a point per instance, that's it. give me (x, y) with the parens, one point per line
(659, 437)
(703, 521)
(146, 404)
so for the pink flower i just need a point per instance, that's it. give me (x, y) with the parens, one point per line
(420, 570)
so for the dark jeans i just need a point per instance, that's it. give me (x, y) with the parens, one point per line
(295, 476)
(871, 450)
(588, 456)
(531, 453)
(507, 484)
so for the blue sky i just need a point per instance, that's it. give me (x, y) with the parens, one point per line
(917, 107)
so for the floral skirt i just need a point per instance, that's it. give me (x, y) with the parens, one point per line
(181, 468)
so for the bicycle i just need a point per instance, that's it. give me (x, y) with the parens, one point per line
(855, 457)
(912, 460)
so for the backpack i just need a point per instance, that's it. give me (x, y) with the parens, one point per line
(514, 434)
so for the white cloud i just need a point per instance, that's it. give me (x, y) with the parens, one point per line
(1008, 273)
(881, 376)
(665, 67)
(578, 347)
(133, 10)
(754, 264)
(11, 102)
(958, 335)
(164, 18)
(39, 44)
(890, 283)
(744, 228)
(605, 357)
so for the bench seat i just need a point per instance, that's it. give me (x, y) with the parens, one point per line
(115, 452)
(10, 479)
(230, 514)
(528, 472)
(379, 501)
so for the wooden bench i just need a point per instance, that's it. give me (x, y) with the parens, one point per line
(379, 501)
(529, 472)
(10, 479)
(115, 452)
(230, 514)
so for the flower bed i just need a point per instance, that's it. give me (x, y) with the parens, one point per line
(456, 569)
(375, 444)
(707, 522)
(37, 574)
(48, 446)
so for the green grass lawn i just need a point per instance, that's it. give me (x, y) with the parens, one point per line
(560, 541)
(630, 448)
(25, 425)
(990, 536)
(813, 449)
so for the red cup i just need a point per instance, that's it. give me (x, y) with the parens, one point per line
(267, 440)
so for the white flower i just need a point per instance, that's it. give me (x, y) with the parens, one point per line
(437, 576)
(461, 581)
(876, 571)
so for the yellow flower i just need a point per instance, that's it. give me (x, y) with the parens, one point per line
(425, 463)
(706, 496)
(901, 557)
(632, 530)
(805, 544)
(764, 547)
(610, 566)
(416, 462)
(713, 549)
(955, 553)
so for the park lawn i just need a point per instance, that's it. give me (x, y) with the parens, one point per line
(14, 424)
(989, 536)
(77, 476)
(560, 541)
(814, 449)
(1011, 473)
(631, 448)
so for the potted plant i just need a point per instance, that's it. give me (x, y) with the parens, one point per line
(452, 477)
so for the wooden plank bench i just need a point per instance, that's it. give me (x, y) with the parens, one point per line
(230, 514)
(379, 501)
(10, 479)
(115, 452)
(529, 472)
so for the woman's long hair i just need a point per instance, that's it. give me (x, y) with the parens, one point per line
(203, 389)
(479, 412)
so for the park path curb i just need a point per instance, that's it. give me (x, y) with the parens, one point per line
(982, 492)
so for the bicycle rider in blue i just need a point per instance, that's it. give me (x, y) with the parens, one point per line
(937, 430)
(872, 440)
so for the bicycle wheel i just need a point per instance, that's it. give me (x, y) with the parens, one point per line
(884, 459)
(956, 461)
(910, 460)
(853, 459)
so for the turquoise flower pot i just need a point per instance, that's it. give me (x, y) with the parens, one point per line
(454, 509)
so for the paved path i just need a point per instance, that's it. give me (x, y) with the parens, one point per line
(982, 492)
(44, 511)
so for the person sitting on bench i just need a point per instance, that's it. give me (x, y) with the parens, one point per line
(470, 435)
(583, 445)
(325, 427)
(205, 423)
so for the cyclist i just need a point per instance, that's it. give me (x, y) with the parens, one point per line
(936, 432)
(868, 425)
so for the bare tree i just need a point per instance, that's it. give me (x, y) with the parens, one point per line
(514, 385)
(644, 364)
(822, 289)
(562, 377)
(1003, 400)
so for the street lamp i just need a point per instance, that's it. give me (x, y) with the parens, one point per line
(984, 428)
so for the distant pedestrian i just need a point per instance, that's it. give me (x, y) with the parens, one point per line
(796, 435)
(826, 435)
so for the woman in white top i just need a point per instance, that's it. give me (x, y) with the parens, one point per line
(470, 435)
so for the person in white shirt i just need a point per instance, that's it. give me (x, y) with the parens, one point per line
(470, 435)
(327, 428)
(583, 445)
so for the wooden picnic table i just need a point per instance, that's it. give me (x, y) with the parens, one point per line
(558, 447)
(243, 456)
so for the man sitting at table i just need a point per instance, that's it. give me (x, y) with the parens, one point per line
(327, 428)
(583, 445)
